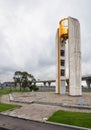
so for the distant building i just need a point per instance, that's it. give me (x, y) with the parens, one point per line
(7, 84)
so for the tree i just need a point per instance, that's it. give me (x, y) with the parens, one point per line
(18, 78)
(24, 79)
(32, 83)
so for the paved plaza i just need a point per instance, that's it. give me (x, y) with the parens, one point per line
(40, 109)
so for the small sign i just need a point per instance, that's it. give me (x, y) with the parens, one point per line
(81, 101)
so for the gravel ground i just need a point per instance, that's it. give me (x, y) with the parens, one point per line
(39, 111)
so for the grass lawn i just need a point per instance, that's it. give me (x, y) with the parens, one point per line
(4, 91)
(7, 91)
(72, 118)
(4, 107)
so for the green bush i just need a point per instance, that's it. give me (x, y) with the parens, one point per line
(33, 87)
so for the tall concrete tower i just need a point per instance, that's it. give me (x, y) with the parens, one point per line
(69, 29)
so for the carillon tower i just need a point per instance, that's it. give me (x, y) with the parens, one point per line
(69, 30)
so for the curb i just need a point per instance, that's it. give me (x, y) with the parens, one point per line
(63, 105)
(51, 123)
(23, 102)
(77, 106)
(69, 126)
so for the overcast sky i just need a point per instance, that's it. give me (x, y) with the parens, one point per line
(27, 35)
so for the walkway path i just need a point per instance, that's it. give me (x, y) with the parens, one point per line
(39, 112)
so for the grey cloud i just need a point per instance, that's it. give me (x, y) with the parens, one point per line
(27, 35)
